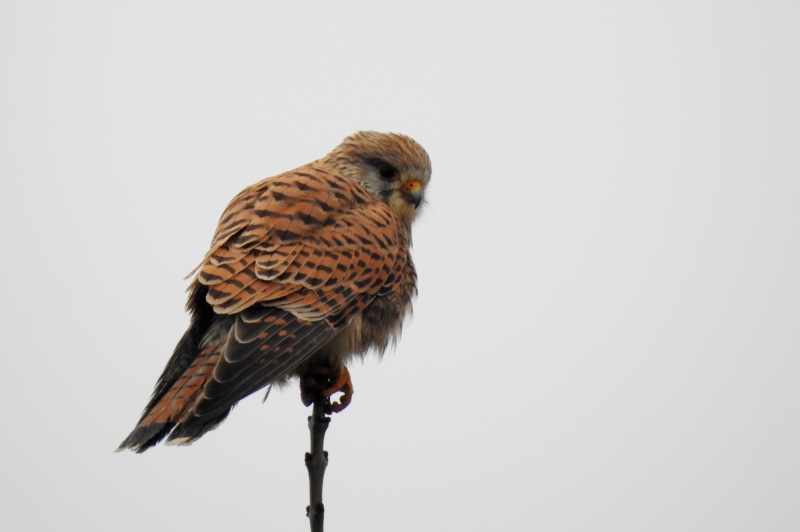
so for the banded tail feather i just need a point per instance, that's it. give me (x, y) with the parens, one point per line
(213, 369)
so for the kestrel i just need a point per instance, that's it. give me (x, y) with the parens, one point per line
(306, 270)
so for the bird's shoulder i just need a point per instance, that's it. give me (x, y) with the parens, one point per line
(310, 240)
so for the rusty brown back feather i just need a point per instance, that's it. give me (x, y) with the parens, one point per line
(309, 241)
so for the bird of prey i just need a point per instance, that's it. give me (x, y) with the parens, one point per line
(306, 270)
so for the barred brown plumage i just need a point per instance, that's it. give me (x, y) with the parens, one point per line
(306, 269)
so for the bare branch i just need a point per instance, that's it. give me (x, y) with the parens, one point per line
(317, 461)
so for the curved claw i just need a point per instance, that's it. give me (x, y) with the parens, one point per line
(343, 384)
(336, 380)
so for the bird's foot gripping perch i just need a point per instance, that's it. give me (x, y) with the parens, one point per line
(324, 381)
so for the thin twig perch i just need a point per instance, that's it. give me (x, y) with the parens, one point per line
(317, 461)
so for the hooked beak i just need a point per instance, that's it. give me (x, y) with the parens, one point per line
(412, 192)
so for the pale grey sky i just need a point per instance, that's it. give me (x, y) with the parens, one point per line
(607, 336)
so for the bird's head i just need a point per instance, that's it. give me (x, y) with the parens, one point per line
(392, 167)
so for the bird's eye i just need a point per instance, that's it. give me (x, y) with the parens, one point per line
(386, 171)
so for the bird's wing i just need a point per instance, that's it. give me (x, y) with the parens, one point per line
(262, 344)
(293, 259)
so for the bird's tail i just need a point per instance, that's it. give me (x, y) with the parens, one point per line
(178, 390)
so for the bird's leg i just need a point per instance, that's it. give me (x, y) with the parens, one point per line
(324, 381)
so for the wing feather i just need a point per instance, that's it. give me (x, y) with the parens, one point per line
(293, 259)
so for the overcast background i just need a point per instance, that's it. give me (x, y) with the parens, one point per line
(607, 336)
